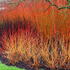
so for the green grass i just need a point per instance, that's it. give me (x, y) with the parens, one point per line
(5, 67)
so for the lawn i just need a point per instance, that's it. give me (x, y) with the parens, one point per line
(5, 67)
